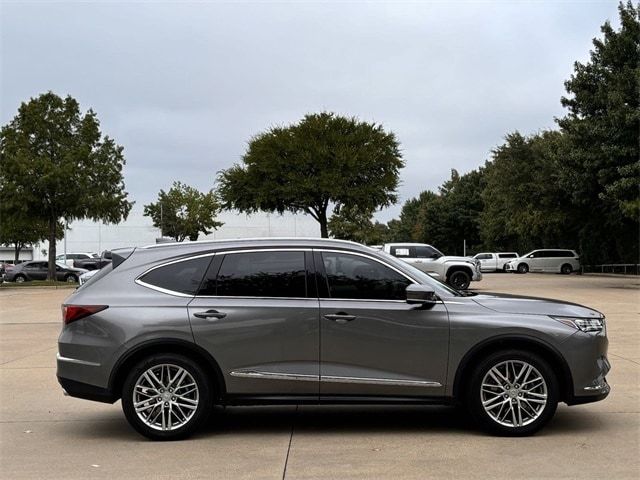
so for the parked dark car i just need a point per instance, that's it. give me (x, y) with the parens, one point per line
(37, 270)
(94, 263)
(4, 266)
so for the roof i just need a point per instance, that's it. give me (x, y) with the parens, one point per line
(261, 241)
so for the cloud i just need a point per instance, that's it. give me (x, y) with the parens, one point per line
(183, 86)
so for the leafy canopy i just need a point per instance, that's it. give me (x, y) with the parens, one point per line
(55, 164)
(324, 160)
(184, 212)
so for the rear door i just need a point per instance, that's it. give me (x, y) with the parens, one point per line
(37, 270)
(372, 341)
(257, 314)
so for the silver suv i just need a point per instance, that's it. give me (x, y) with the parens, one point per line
(174, 329)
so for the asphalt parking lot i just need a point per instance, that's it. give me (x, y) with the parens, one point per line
(44, 434)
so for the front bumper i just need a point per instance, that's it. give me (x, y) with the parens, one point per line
(586, 356)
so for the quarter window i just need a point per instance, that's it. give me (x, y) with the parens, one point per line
(356, 277)
(261, 274)
(183, 276)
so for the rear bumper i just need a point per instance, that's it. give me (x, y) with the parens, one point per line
(86, 391)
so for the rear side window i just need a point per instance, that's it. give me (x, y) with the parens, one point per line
(507, 255)
(356, 277)
(402, 252)
(262, 274)
(183, 276)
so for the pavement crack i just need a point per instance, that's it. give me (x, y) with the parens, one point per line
(623, 358)
(286, 460)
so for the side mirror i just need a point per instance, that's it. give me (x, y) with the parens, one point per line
(421, 295)
(530, 256)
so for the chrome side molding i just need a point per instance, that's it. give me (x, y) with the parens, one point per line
(332, 379)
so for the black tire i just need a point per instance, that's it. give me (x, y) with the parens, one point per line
(459, 279)
(523, 268)
(19, 278)
(566, 269)
(204, 389)
(489, 424)
(71, 279)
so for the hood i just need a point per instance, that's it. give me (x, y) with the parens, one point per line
(451, 258)
(504, 303)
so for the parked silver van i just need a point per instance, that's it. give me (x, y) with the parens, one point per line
(546, 260)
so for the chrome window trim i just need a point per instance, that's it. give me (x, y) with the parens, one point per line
(267, 249)
(165, 290)
(301, 377)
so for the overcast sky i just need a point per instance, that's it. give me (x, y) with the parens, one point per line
(183, 86)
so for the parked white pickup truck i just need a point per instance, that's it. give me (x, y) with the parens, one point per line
(495, 262)
(456, 271)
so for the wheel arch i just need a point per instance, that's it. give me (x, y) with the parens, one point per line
(457, 268)
(521, 342)
(151, 347)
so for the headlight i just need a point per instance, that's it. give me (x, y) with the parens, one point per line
(587, 325)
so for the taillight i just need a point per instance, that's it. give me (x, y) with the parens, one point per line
(71, 313)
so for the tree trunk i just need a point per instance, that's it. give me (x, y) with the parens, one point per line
(53, 225)
(322, 218)
(17, 247)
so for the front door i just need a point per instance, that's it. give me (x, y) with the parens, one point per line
(257, 314)
(372, 341)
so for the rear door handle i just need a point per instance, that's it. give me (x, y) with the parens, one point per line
(340, 317)
(210, 314)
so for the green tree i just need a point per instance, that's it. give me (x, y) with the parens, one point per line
(184, 212)
(323, 161)
(55, 164)
(524, 204)
(19, 230)
(352, 223)
(601, 168)
(407, 227)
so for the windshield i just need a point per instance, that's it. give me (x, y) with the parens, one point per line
(427, 279)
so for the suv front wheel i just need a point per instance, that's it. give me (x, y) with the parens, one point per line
(513, 393)
(459, 279)
(166, 397)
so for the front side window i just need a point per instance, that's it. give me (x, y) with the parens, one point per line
(356, 277)
(262, 274)
(182, 277)
(483, 256)
(427, 252)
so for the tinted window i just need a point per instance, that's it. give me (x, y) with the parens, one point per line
(353, 276)
(262, 274)
(426, 252)
(507, 255)
(483, 256)
(184, 276)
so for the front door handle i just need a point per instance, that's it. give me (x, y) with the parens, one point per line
(210, 314)
(340, 317)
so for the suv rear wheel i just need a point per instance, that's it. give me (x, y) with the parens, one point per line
(566, 269)
(513, 393)
(166, 397)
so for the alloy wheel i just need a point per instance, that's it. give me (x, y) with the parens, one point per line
(165, 397)
(513, 393)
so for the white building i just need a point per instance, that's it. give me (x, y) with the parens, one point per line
(138, 230)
